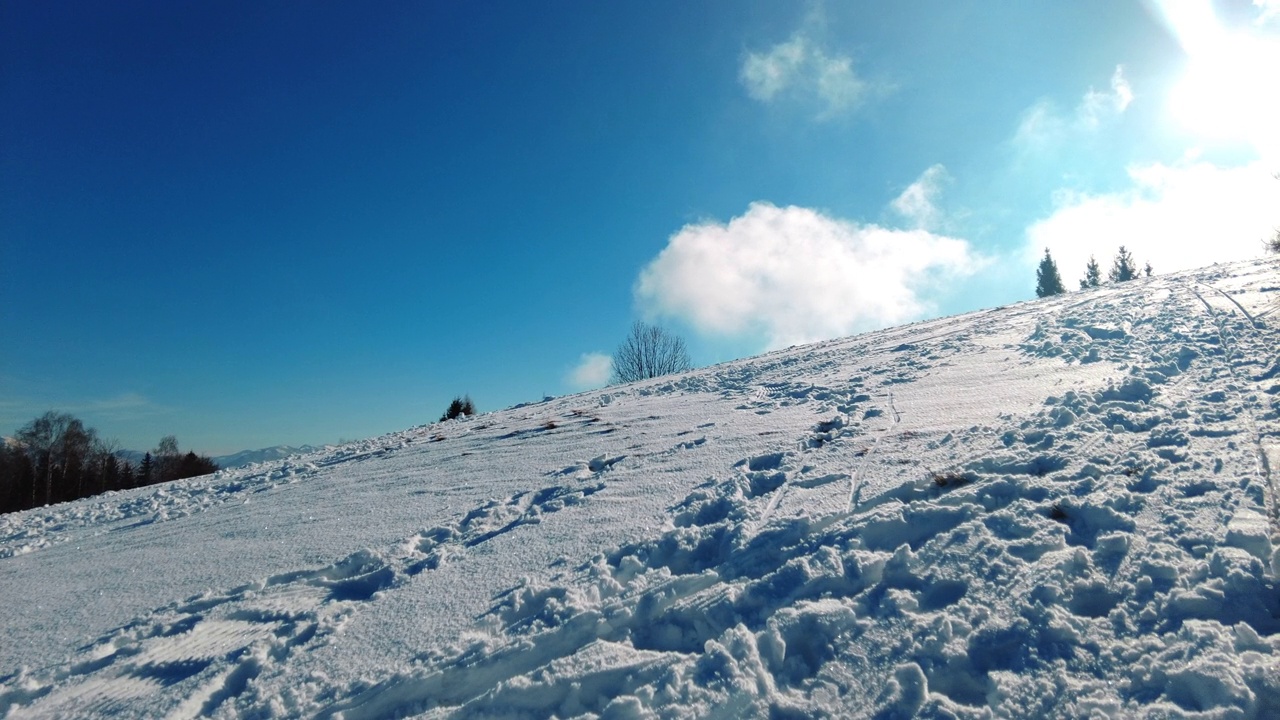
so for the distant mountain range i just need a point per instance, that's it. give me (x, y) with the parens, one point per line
(246, 457)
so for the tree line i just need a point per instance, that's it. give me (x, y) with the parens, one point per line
(56, 458)
(1123, 269)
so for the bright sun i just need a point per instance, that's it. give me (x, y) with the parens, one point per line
(1229, 90)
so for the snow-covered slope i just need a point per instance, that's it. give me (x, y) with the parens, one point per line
(1059, 508)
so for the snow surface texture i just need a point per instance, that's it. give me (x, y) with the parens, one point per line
(1063, 508)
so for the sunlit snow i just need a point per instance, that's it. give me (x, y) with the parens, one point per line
(1059, 508)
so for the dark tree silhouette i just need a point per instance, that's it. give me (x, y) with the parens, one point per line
(17, 478)
(1148, 270)
(648, 352)
(166, 456)
(59, 446)
(192, 465)
(1048, 281)
(458, 407)
(1123, 267)
(55, 458)
(1273, 244)
(146, 470)
(128, 477)
(1092, 275)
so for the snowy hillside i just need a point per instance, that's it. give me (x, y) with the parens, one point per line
(1059, 508)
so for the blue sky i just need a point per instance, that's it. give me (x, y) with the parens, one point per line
(250, 224)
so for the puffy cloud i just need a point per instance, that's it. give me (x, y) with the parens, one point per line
(787, 275)
(1175, 216)
(592, 371)
(917, 203)
(1045, 126)
(802, 69)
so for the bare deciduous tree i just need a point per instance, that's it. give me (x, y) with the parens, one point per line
(648, 352)
(166, 457)
(58, 445)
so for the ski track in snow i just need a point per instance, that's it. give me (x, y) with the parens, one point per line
(892, 545)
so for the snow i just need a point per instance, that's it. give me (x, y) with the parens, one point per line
(1059, 508)
(248, 457)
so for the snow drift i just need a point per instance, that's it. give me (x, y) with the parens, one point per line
(1060, 508)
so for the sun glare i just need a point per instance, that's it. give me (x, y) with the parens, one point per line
(1228, 91)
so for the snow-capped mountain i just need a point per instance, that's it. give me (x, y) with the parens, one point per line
(248, 457)
(1061, 508)
(237, 459)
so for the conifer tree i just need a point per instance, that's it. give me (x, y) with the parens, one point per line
(459, 407)
(1148, 270)
(127, 476)
(1048, 281)
(1123, 267)
(1092, 275)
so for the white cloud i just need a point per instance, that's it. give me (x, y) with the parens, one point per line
(767, 74)
(1099, 105)
(1268, 10)
(917, 204)
(1176, 217)
(791, 275)
(838, 85)
(592, 371)
(802, 69)
(1226, 91)
(1043, 126)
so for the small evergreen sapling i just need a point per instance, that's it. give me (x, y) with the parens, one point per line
(1092, 275)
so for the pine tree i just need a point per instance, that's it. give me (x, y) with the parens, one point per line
(145, 471)
(1148, 270)
(127, 477)
(1122, 268)
(459, 407)
(1048, 281)
(1092, 275)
